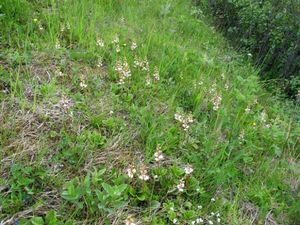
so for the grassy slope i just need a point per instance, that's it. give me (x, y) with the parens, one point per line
(53, 130)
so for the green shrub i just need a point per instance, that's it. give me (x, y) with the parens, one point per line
(270, 30)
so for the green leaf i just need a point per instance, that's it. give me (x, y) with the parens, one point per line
(121, 188)
(108, 188)
(51, 218)
(141, 197)
(101, 172)
(71, 194)
(154, 204)
(37, 220)
(100, 195)
(119, 204)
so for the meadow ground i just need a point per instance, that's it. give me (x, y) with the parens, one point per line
(137, 112)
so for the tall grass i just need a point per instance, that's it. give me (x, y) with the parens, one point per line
(83, 123)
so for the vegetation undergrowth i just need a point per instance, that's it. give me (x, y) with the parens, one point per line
(268, 31)
(137, 112)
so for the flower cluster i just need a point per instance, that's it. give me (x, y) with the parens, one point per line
(38, 23)
(248, 109)
(181, 185)
(217, 102)
(158, 155)
(82, 83)
(143, 173)
(263, 119)
(226, 86)
(130, 220)
(131, 171)
(133, 46)
(188, 170)
(116, 41)
(148, 80)
(242, 137)
(59, 73)
(185, 120)
(216, 98)
(100, 62)
(57, 44)
(123, 70)
(156, 74)
(198, 83)
(214, 216)
(65, 103)
(62, 27)
(100, 42)
(298, 96)
(141, 64)
(198, 220)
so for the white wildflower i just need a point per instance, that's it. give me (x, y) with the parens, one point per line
(148, 80)
(217, 102)
(263, 117)
(145, 66)
(156, 74)
(143, 173)
(181, 186)
(199, 220)
(226, 86)
(68, 26)
(123, 70)
(158, 156)
(41, 27)
(82, 83)
(116, 40)
(62, 27)
(118, 48)
(223, 76)
(131, 171)
(100, 63)
(137, 63)
(100, 42)
(188, 169)
(185, 120)
(133, 46)
(57, 44)
(247, 110)
(130, 220)
(242, 137)
(59, 73)
(122, 20)
(298, 96)
(65, 103)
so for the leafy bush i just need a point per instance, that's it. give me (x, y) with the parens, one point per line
(270, 30)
